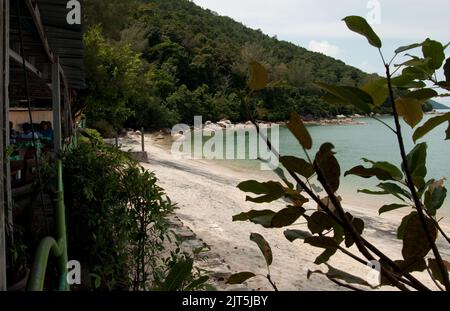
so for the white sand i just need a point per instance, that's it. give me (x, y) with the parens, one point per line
(207, 199)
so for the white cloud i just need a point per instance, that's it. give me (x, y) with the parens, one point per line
(324, 47)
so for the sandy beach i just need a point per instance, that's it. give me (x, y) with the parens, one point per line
(207, 198)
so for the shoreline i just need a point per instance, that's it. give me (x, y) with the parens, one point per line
(207, 198)
(337, 120)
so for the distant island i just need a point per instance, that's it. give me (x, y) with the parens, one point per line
(438, 106)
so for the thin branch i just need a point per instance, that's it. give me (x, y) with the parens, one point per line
(384, 123)
(435, 282)
(272, 283)
(412, 188)
(390, 63)
(395, 71)
(382, 56)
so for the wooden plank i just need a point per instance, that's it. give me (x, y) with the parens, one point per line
(56, 91)
(4, 73)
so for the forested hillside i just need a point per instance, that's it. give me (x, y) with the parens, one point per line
(156, 63)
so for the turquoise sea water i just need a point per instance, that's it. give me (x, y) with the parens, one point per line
(353, 142)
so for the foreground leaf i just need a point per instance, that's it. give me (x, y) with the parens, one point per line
(298, 166)
(297, 127)
(360, 25)
(321, 242)
(349, 96)
(318, 222)
(258, 77)
(240, 277)
(378, 91)
(415, 242)
(410, 109)
(436, 271)
(328, 166)
(435, 197)
(178, 274)
(287, 216)
(417, 159)
(435, 51)
(390, 207)
(263, 246)
(263, 217)
(430, 125)
(447, 70)
(293, 235)
(407, 48)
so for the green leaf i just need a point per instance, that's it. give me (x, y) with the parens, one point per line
(349, 95)
(259, 78)
(418, 72)
(435, 196)
(360, 25)
(407, 48)
(298, 166)
(272, 190)
(293, 235)
(390, 207)
(391, 169)
(436, 271)
(178, 274)
(435, 51)
(197, 283)
(299, 130)
(325, 256)
(447, 70)
(358, 224)
(319, 222)
(287, 216)
(412, 264)
(415, 62)
(321, 242)
(377, 90)
(256, 187)
(430, 125)
(401, 229)
(415, 242)
(417, 164)
(402, 80)
(395, 190)
(328, 166)
(363, 172)
(263, 218)
(240, 277)
(410, 109)
(263, 246)
(422, 94)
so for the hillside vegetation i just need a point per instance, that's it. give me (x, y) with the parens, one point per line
(160, 62)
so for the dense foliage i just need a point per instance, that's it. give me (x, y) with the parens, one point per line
(116, 216)
(171, 60)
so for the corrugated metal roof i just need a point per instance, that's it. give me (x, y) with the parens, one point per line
(66, 41)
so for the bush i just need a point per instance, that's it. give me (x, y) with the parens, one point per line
(116, 216)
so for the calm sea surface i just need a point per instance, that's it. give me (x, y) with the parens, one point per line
(353, 142)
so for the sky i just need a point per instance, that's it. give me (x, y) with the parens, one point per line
(317, 25)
